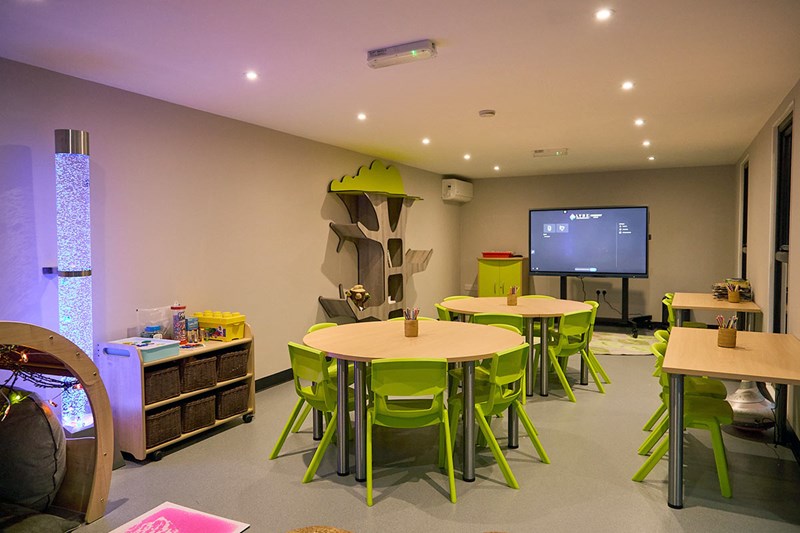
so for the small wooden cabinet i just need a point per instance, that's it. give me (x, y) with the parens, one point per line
(496, 276)
(124, 372)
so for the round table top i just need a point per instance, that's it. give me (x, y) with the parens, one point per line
(527, 307)
(453, 341)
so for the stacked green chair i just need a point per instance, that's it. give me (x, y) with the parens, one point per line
(569, 339)
(667, 301)
(313, 385)
(692, 386)
(503, 389)
(409, 393)
(662, 335)
(699, 412)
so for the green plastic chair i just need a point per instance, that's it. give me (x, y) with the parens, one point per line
(667, 301)
(331, 372)
(504, 389)
(409, 393)
(314, 385)
(588, 350)
(662, 335)
(569, 339)
(537, 328)
(456, 297)
(692, 386)
(699, 412)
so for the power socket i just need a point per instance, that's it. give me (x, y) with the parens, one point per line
(597, 292)
(604, 292)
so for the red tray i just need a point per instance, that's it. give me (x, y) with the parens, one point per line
(496, 255)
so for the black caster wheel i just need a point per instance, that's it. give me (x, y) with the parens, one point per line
(156, 455)
(247, 418)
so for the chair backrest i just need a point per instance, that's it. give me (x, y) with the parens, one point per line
(311, 379)
(509, 327)
(456, 297)
(443, 313)
(510, 319)
(592, 319)
(321, 325)
(537, 296)
(667, 301)
(573, 332)
(408, 392)
(659, 349)
(662, 335)
(507, 370)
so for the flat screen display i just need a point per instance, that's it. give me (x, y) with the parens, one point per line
(590, 241)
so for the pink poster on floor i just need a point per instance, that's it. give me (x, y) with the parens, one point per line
(172, 518)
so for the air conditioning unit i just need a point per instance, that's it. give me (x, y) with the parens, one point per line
(456, 190)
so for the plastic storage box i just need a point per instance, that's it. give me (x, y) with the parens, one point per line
(151, 349)
(221, 326)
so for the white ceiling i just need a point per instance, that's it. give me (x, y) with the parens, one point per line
(708, 73)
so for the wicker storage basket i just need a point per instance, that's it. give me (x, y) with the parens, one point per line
(198, 373)
(162, 426)
(232, 401)
(161, 383)
(232, 364)
(198, 413)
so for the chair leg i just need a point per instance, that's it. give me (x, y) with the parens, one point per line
(654, 437)
(445, 429)
(654, 418)
(511, 481)
(562, 377)
(593, 372)
(531, 430)
(721, 460)
(455, 413)
(302, 419)
(597, 365)
(536, 351)
(651, 461)
(320, 453)
(278, 445)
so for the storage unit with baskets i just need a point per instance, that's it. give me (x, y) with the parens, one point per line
(160, 402)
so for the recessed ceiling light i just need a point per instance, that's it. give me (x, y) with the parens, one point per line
(467, 157)
(251, 75)
(639, 122)
(426, 141)
(603, 14)
(362, 116)
(645, 143)
(651, 158)
(627, 85)
(497, 168)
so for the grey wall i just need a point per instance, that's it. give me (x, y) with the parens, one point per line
(693, 224)
(187, 205)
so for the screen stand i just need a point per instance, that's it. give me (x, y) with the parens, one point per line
(642, 321)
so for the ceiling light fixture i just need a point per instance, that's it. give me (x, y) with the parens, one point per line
(426, 141)
(362, 116)
(251, 75)
(467, 157)
(651, 158)
(550, 152)
(497, 168)
(627, 85)
(486, 113)
(401, 53)
(645, 143)
(603, 14)
(639, 122)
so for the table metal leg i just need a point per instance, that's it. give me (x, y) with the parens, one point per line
(360, 420)
(513, 427)
(543, 358)
(678, 317)
(316, 421)
(469, 420)
(529, 370)
(342, 418)
(780, 413)
(584, 372)
(675, 490)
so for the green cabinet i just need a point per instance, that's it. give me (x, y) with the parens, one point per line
(497, 276)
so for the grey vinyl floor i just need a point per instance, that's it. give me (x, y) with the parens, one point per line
(592, 445)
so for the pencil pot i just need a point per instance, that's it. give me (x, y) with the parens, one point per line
(726, 337)
(411, 328)
(511, 299)
(733, 297)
